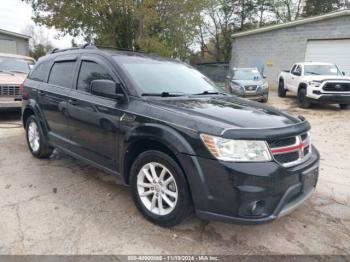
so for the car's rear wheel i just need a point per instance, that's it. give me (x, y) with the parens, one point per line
(159, 189)
(343, 106)
(281, 90)
(35, 139)
(303, 101)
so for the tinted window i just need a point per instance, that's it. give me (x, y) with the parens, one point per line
(322, 70)
(62, 74)
(246, 74)
(90, 71)
(40, 71)
(153, 76)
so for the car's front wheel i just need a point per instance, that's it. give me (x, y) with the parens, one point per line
(35, 139)
(303, 101)
(159, 189)
(281, 90)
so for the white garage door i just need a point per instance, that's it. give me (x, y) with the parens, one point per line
(8, 46)
(333, 51)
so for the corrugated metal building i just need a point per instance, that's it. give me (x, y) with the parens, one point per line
(323, 38)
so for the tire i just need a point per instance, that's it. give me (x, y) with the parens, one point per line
(281, 91)
(265, 99)
(176, 191)
(35, 139)
(302, 99)
(343, 106)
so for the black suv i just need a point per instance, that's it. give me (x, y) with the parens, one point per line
(170, 134)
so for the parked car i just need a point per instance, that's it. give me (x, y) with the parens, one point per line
(315, 83)
(248, 83)
(177, 141)
(13, 71)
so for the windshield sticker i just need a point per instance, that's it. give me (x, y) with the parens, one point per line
(333, 70)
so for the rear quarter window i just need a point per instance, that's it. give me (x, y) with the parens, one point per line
(40, 72)
(62, 74)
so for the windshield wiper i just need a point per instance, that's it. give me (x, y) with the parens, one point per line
(164, 94)
(210, 92)
(7, 72)
(312, 73)
(18, 71)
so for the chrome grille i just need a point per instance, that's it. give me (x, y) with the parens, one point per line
(9, 90)
(291, 150)
(251, 88)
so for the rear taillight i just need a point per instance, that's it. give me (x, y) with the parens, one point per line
(23, 92)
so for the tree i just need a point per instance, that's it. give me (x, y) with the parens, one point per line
(39, 43)
(286, 10)
(320, 7)
(163, 26)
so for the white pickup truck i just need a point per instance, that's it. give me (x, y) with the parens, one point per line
(315, 83)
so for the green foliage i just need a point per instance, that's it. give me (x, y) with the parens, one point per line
(319, 7)
(171, 28)
(165, 26)
(39, 50)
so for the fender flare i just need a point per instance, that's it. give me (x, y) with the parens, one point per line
(161, 133)
(176, 142)
(33, 106)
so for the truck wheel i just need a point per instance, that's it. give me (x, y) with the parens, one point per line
(159, 189)
(281, 91)
(302, 99)
(343, 106)
(35, 139)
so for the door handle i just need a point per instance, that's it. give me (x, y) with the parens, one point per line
(41, 93)
(73, 102)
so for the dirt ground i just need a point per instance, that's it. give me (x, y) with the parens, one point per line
(62, 206)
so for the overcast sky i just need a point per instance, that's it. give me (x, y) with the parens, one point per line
(15, 15)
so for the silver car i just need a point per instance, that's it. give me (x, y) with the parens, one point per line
(247, 83)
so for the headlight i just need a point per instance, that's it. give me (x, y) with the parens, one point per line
(315, 83)
(237, 150)
(265, 85)
(235, 86)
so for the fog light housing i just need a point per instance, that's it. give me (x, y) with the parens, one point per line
(317, 92)
(257, 208)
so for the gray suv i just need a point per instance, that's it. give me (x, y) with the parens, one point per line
(248, 83)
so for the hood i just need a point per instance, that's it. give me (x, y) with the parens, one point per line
(12, 79)
(225, 112)
(326, 77)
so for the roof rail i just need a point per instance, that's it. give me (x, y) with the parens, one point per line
(84, 46)
(118, 49)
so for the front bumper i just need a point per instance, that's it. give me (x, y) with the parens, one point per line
(227, 191)
(10, 103)
(334, 99)
(259, 94)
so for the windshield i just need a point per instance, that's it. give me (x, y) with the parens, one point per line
(17, 65)
(157, 76)
(246, 74)
(321, 70)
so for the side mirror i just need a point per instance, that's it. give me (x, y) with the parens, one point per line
(107, 88)
(343, 73)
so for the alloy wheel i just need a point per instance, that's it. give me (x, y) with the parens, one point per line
(157, 189)
(34, 136)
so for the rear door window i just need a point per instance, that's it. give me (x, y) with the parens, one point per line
(90, 71)
(62, 74)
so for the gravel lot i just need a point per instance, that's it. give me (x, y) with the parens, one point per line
(62, 206)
